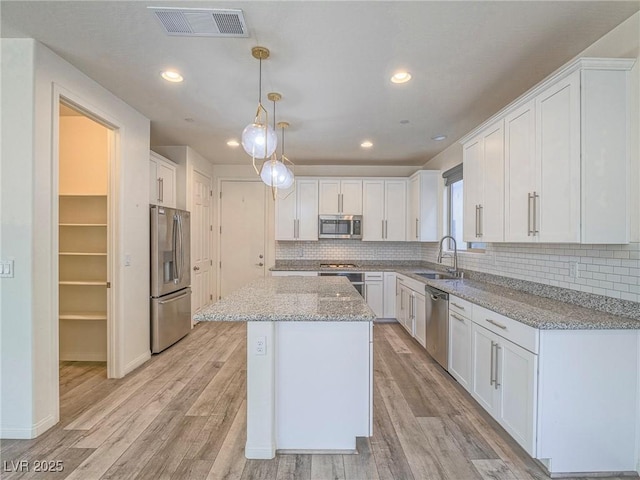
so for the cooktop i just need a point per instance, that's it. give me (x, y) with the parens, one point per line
(338, 265)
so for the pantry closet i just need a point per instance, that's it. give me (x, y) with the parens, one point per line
(83, 234)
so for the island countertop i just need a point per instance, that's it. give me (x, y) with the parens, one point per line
(294, 299)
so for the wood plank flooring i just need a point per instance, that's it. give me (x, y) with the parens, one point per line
(182, 415)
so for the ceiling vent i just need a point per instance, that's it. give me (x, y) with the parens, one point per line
(196, 22)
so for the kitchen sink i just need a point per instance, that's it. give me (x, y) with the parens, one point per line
(437, 276)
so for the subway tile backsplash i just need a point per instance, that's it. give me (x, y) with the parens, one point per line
(609, 270)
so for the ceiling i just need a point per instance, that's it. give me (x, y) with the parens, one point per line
(331, 61)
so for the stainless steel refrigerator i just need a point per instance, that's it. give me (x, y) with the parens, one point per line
(170, 276)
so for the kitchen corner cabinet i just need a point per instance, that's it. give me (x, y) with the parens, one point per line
(297, 211)
(162, 181)
(424, 206)
(340, 197)
(384, 210)
(483, 159)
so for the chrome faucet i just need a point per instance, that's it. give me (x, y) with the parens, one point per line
(454, 270)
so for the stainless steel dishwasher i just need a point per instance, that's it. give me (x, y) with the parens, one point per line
(437, 312)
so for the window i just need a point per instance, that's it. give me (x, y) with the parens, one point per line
(455, 210)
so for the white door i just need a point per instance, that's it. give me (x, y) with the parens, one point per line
(351, 197)
(517, 375)
(473, 183)
(558, 133)
(492, 211)
(482, 385)
(242, 234)
(201, 242)
(329, 197)
(373, 210)
(460, 349)
(520, 172)
(395, 193)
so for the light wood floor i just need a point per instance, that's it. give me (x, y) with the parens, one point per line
(182, 415)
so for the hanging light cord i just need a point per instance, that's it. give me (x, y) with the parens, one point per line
(282, 151)
(260, 83)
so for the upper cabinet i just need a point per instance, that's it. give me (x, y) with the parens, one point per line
(566, 159)
(162, 181)
(384, 207)
(340, 197)
(483, 158)
(423, 206)
(297, 211)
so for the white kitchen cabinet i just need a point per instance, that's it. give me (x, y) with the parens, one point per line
(389, 295)
(384, 210)
(162, 181)
(340, 197)
(483, 159)
(403, 305)
(297, 212)
(459, 343)
(566, 147)
(483, 368)
(374, 292)
(424, 206)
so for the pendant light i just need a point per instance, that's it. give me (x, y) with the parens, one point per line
(288, 181)
(273, 172)
(258, 138)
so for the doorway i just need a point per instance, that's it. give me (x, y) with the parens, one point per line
(84, 246)
(242, 232)
(201, 241)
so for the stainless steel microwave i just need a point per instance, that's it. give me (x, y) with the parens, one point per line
(340, 226)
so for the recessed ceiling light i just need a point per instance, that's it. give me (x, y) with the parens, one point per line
(404, 122)
(439, 138)
(233, 143)
(171, 76)
(366, 144)
(401, 77)
(189, 120)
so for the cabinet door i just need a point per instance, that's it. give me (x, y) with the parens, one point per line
(167, 179)
(307, 209)
(329, 203)
(372, 210)
(396, 210)
(491, 215)
(420, 318)
(520, 172)
(373, 294)
(483, 371)
(389, 295)
(414, 209)
(472, 185)
(399, 306)
(517, 378)
(351, 197)
(286, 214)
(460, 349)
(154, 189)
(558, 133)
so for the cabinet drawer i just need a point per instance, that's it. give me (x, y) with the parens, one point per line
(519, 333)
(460, 306)
(373, 276)
(410, 283)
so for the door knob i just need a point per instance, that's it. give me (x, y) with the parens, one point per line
(196, 268)
(260, 256)
(260, 264)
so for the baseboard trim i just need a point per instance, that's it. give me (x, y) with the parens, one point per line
(313, 451)
(83, 357)
(17, 433)
(260, 453)
(136, 362)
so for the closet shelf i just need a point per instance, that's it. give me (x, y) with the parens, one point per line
(83, 315)
(82, 224)
(91, 254)
(89, 282)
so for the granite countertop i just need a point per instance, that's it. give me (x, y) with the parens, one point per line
(534, 310)
(298, 299)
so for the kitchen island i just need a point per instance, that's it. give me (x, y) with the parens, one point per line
(309, 363)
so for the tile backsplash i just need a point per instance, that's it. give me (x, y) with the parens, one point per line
(610, 270)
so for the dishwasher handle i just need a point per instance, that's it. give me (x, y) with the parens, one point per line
(436, 294)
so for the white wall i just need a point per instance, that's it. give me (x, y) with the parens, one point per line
(29, 385)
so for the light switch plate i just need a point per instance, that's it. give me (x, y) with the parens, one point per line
(6, 269)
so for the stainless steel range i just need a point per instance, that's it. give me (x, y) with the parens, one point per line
(356, 278)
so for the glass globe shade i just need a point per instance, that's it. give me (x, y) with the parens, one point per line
(273, 173)
(253, 140)
(288, 181)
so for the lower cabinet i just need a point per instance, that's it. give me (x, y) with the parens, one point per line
(389, 279)
(403, 305)
(411, 307)
(460, 348)
(419, 309)
(374, 292)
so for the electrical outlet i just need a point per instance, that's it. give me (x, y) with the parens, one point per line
(261, 346)
(6, 269)
(127, 260)
(574, 271)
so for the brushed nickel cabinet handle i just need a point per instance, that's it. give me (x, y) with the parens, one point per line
(529, 197)
(457, 317)
(497, 357)
(493, 322)
(416, 228)
(458, 306)
(480, 220)
(535, 213)
(492, 380)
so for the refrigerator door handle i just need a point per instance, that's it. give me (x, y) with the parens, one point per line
(173, 299)
(174, 248)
